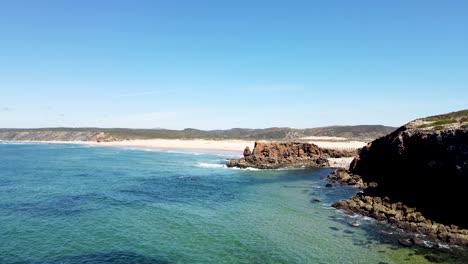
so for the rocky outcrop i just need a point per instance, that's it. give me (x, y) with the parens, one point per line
(273, 155)
(402, 216)
(423, 164)
(343, 177)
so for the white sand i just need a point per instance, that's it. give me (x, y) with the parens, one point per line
(349, 145)
(233, 146)
(324, 138)
(236, 146)
(200, 144)
(225, 145)
(340, 162)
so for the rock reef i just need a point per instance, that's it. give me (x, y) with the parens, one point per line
(402, 216)
(274, 155)
(343, 177)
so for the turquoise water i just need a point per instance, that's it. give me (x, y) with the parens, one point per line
(80, 204)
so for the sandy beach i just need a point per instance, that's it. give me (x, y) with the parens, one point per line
(228, 147)
(340, 162)
(201, 144)
(236, 146)
(219, 145)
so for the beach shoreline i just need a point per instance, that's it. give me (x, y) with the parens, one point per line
(229, 147)
(202, 144)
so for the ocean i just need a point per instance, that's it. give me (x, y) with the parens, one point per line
(81, 204)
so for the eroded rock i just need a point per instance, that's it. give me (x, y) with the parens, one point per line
(273, 155)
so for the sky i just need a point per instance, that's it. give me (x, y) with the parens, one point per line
(223, 64)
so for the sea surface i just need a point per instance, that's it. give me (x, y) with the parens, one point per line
(82, 204)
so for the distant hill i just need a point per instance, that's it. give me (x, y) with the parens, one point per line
(363, 132)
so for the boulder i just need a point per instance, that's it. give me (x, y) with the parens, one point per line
(247, 152)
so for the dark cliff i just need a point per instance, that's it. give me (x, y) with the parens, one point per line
(423, 164)
(272, 155)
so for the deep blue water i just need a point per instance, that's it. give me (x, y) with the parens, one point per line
(80, 204)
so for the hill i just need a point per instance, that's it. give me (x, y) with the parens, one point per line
(363, 132)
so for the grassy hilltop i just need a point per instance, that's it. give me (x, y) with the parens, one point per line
(363, 132)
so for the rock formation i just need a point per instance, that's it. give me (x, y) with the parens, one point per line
(272, 155)
(422, 168)
(423, 164)
(343, 177)
(402, 216)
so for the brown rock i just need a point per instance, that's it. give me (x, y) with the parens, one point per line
(247, 152)
(341, 204)
(273, 155)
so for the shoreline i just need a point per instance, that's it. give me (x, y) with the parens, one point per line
(398, 215)
(232, 147)
(229, 145)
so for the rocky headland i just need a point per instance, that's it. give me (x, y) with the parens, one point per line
(416, 178)
(274, 155)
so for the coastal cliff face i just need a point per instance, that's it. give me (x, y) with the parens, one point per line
(271, 155)
(423, 164)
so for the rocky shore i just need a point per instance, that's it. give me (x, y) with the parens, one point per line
(274, 155)
(422, 164)
(344, 177)
(415, 178)
(402, 216)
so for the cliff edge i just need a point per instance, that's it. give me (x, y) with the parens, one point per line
(423, 164)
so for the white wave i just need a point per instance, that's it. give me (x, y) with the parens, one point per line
(247, 169)
(279, 169)
(442, 245)
(183, 152)
(11, 143)
(180, 151)
(211, 165)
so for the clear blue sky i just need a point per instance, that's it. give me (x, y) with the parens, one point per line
(222, 64)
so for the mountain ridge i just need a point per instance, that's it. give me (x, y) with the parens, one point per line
(360, 132)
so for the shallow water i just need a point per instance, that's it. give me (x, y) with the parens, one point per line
(79, 204)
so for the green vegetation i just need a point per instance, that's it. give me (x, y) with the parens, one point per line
(453, 116)
(441, 121)
(367, 132)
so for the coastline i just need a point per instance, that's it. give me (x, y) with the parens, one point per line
(231, 145)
